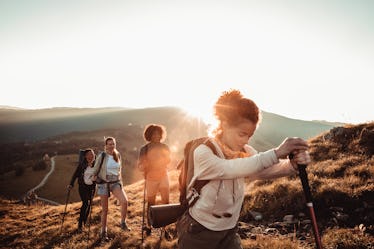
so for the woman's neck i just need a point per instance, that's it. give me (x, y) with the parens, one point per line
(230, 153)
(224, 141)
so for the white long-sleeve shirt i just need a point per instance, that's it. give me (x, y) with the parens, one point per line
(224, 193)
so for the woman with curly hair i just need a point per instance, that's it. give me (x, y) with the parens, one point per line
(212, 221)
(154, 158)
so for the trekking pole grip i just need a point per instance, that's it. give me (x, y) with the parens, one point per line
(304, 181)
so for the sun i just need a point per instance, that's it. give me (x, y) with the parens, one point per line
(203, 112)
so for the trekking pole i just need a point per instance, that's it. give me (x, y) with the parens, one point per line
(66, 205)
(308, 196)
(143, 224)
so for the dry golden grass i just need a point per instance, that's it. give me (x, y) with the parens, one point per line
(339, 177)
(348, 238)
(38, 226)
(55, 188)
(266, 242)
(274, 198)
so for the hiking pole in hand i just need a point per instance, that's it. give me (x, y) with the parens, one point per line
(66, 205)
(308, 196)
(143, 224)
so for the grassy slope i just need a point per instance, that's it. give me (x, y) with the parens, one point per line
(65, 166)
(38, 226)
(275, 128)
(341, 176)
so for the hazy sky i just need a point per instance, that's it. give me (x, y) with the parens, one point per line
(302, 59)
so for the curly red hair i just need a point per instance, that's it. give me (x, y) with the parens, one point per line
(232, 107)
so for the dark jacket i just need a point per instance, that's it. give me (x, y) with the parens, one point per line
(79, 173)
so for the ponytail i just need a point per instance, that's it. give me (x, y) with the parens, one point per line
(116, 156)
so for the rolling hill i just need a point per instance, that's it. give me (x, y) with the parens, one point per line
(341, 179)
(26, 135)
(36, 125)
(22, 125)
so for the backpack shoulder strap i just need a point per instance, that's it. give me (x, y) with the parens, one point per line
(187, 170)
(103, 154)
(199, 184)
(211, 146)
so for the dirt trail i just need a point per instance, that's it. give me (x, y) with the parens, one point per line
(42, 183)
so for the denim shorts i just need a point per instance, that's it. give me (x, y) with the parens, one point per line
(102, 189)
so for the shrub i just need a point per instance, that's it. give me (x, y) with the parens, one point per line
(41, 165)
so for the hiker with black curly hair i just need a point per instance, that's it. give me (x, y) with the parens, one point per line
(84, 173)
(154, 158)
(212, 221)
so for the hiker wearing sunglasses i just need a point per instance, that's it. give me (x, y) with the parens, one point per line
(212, 221)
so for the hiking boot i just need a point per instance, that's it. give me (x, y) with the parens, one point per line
(104, 237)
(167, 235)
(124, 226)
(147, 230)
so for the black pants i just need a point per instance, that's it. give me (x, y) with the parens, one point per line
(191, 234)
(86, 193)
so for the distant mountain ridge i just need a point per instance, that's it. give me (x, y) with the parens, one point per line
(8, 107)
(28, 134)
(32, 125)
(274, 128)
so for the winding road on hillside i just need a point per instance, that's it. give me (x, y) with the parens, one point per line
(42, 183)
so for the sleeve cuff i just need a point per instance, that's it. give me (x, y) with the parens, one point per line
(269, 158)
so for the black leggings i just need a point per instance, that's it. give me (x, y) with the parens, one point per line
(86, 193)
